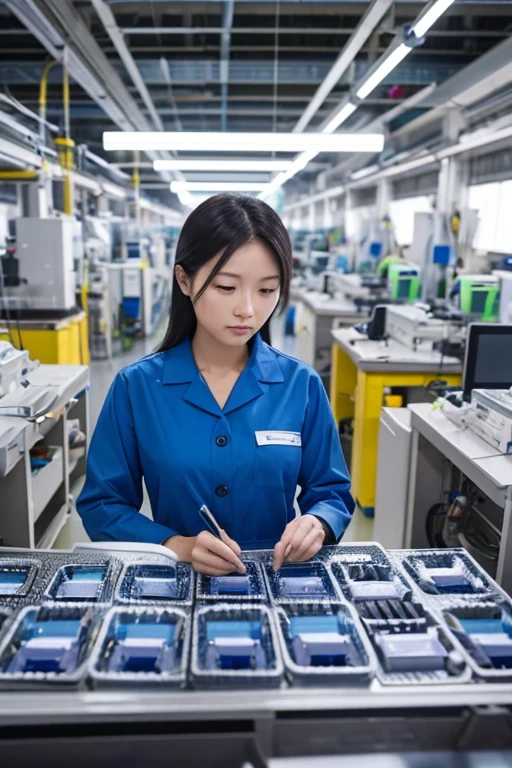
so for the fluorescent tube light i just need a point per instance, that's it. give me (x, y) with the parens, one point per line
(298, 164)
(382, 71)
(216, 186)
(431, 16)
(339, 118)
(255, 166)
(242, 142)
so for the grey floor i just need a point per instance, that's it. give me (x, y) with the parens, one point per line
(102, 375)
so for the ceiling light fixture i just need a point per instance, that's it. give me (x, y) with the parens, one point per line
(217, 186)
(430, 17)
(231, 166)
(241, 142)
(385, 67)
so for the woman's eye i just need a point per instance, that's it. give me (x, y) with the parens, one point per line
(267, 291)
(227, 288)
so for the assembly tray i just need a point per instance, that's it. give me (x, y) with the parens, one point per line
(234, 587)
(447, 575)
(142, 646)
(48, 645)
(386, 615)
(144, 583)
(43, 570)
(324, 644)
(235, 645)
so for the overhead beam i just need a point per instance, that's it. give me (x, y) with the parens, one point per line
(364, 29)
(107, 18)
(310, 31)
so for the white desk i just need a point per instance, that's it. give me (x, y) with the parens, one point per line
(316, 315)
(35, 507)
(379, 356)
(435, 439)
(362, 372)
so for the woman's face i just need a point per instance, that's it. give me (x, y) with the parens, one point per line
(240, 298)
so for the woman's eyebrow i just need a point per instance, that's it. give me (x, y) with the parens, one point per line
(232, 274)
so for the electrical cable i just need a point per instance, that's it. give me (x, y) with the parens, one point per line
(437, 510)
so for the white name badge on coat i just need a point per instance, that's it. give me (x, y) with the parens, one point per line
(279, 438)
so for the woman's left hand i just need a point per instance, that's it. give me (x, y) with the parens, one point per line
(301, 540)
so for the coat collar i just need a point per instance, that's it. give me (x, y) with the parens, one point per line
(179, 367)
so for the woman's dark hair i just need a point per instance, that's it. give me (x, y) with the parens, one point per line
(223, 224)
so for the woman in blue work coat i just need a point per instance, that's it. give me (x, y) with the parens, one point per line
(219, 417)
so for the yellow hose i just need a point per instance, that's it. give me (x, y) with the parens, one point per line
(43, 91)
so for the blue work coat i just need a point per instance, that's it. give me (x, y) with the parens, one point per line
(161, 422)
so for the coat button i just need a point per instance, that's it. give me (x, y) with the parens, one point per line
(222, 490)
(221, 441)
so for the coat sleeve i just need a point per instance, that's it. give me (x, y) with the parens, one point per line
(323, 476)
(112, 495)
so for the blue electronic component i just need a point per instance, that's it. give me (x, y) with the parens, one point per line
(16, 577)
(144, 647)
(234, 644)
(47, 641)
(321, 643)
(446, 573)
(84, 583)
(485, 631)
(301, 582)
(147, 643)
(248, 586)
(12, 580)
(145, 583)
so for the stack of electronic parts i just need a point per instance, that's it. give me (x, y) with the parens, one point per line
(353, 615)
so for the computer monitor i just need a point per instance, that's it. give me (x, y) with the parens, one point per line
(488, 361)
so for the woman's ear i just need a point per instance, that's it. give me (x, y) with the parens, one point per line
(182, 279)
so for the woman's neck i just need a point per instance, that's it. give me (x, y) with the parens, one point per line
(214, 357)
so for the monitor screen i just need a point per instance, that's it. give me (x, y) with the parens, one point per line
(478, 300)
(488, 363)
(404, 287)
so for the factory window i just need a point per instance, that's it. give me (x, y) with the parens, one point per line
(355, 219)
(402, 214)
(493, 203)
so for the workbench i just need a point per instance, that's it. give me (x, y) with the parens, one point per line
(316, 314)
(229, 728)
(361, 372)
(63, 340)
(35, 507)
(436, 441)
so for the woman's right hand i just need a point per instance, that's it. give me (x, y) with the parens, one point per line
(207, 553)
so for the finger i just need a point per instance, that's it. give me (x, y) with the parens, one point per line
(307, 524)
(222, 550)
(285, 541)
(312, 543)
(230, 543)
(279, 555)
(205, 561)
